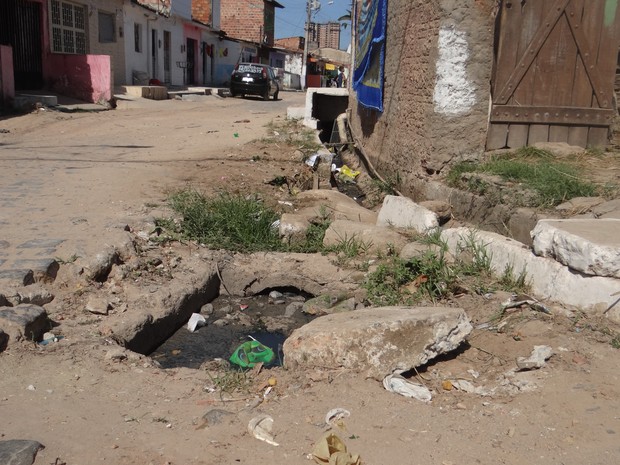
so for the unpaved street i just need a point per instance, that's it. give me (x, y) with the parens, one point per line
(71, 183)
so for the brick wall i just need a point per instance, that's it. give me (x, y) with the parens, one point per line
(291, 43)
(419, 134)
(201, 10)
(243, 19)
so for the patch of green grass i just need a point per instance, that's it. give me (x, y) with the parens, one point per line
(350, 247)
(233, 222)
(553, 182)
(227, 221)
(510, 282)
(399, 281)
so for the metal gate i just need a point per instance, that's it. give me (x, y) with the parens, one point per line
(20, 27)
(554, 71)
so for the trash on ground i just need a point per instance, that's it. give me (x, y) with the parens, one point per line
(250, 353)
(49, 338)
(537, 358)
(336, 414)
(313, 160)
(195, 322)
(331, 450)
(346, 174)
(517, 301)
(399, 385)
(260, 427)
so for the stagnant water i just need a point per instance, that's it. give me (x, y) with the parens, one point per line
(232, 322)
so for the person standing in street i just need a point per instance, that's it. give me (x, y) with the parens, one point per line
(340, 80)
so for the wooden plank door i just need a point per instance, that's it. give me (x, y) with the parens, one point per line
(554, 72)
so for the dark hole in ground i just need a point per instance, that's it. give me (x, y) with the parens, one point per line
(270, 320)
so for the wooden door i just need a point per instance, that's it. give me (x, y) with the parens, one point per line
(554, 72)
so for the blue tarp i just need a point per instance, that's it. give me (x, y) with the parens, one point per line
(370, 54)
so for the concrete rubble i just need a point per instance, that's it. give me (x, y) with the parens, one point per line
(377, 341)
(402, 212)
(548, 278)
(589, 246)
(24, 321)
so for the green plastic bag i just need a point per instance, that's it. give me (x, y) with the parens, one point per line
(250, 353)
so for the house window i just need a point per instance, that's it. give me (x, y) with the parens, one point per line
(68, 27)
(107, 27)
(137, 35)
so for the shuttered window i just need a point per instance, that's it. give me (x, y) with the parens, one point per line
(68, 27)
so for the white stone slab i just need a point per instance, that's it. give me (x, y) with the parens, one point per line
(548, 279)
(402, 212)
(591, 246)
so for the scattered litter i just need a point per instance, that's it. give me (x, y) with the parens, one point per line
(285, 202)
(275, 295)
(331, 450)
(236, 134)
(537, 358)
(517, 301)
(399, 385)
(474, 373)
(464, 385)
(335, 415)
(195, 322)
(31, 387)
(242, 121)
(243, 307)
(250, 353)
(346, 174)
(313, 160)
(447, 385)
(49, 338)
(260, 427)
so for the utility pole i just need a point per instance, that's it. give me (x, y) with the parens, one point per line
(304, 60)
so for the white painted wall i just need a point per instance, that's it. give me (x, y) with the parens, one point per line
(142, 61)
(293, 63)
(134, 60)
(454, 94)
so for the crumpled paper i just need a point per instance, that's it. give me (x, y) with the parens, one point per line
(330, 450)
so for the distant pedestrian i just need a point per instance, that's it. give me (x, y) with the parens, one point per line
(340, 80)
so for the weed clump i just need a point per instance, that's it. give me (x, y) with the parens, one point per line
(552, 182)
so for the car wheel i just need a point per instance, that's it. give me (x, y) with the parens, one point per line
(233, 93)
(275, 96)
(266, 94)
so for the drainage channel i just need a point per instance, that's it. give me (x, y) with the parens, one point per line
(268, 318)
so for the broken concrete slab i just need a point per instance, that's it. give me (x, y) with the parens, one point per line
(376, 239)
(579, 205)
(377, 341)
(316, 206)
(24, 321)
(402, 212)
(589, 246)
(610, 209)
(312, 273)
(548, 279)
(19, 451)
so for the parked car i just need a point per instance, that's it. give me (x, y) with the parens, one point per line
(254, 79)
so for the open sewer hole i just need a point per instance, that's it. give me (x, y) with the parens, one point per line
(269, 317)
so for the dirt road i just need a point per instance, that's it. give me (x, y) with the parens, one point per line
(70, 183)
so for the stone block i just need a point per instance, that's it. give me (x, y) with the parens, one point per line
(591, 246)
(24, 321)
(377, 341)
(374, 238)
(402, 212)
(19, 451)
(549, 279)
(521, 223)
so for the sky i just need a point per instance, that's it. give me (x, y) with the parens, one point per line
(290, 19)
